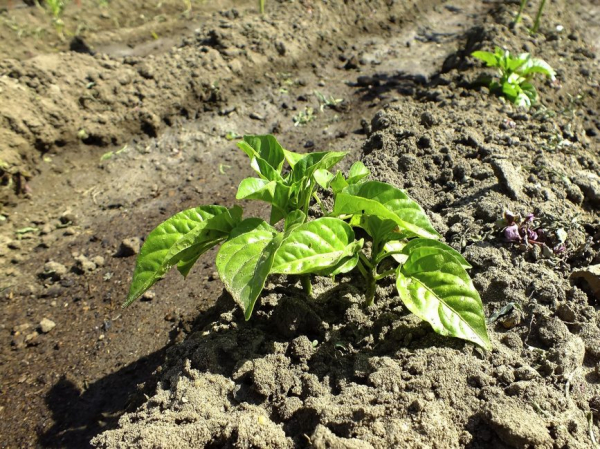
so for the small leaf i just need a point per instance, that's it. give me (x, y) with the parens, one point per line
(323, 177)
(357, 173)
(245, 261)
(201, 227)
(292, 158)
(535, 65)
(487, 57)
(265, 171)
(264, 147)
(436, 288)
(293, 220)
(338, 183)
(386, 202)
(306, 166)
(315, 246)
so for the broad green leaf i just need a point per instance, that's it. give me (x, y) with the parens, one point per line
(264, 170)
(293, 220)
(256, 189)
(188, 257)
(338, 183)
(535, 65)
(489, 58)
(343, 266)
(510, 91)
(292, 158)
(274, 193)
(386, 202)
(323, 177)
(515, 63)
(436, 288)
(245, 261)
(306, 166)
(316, 246)
(167, 244)
(264, 147)
(357, 172)
(435, 246)
(380, 230)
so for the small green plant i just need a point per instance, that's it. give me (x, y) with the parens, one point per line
(516, 74)
(431, 277)
(304, 117)
(56, 8)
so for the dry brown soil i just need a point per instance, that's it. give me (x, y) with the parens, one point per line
(128, 117)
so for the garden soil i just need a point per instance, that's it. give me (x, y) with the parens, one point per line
(126, 120)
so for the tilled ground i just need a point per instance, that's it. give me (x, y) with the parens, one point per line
(126, 141)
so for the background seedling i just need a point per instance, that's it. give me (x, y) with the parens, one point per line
(431, 277)
(304, 117)
(516, 74)
(327, 101)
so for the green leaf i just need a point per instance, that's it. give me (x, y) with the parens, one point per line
(489, 58)
(536, 65)
(170, 243)
(256, 189)
(245, 261)
(435, 287)
(264, 147)
(357, 173)
(264, 170)
(292, 158)
(343, 266)
(386, 202)
(338, 183)
(380, 230)
(323, 177)
(435, 246)
(274, 193)
(293, 220)
(311, 162)
(316, 246)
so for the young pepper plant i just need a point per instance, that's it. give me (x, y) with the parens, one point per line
(430, 276)
(516, 74)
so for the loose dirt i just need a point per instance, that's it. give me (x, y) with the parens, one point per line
(99, 148)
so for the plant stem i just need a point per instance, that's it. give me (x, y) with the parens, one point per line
(536, 24)
(384, 274)
(362, 270)
(306, 284)
(366, 261)
(521, 8)
(371, 286)
(261, 6)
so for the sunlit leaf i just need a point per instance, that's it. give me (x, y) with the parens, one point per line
(435, 287)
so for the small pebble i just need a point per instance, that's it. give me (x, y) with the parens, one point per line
(47, 325)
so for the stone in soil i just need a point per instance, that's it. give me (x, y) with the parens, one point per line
(509, 178)
(46, 325)
(129, 247)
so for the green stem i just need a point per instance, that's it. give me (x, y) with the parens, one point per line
(536, 24)
(261, 6)
(316, 197)
(371, 287)
(306, 284)
(366, 261)
(363, 270)
(384, 274)
(521, 8)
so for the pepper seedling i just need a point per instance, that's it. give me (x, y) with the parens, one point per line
(431, 277)
(516, 74)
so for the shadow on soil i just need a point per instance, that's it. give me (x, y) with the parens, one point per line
(79, 416)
